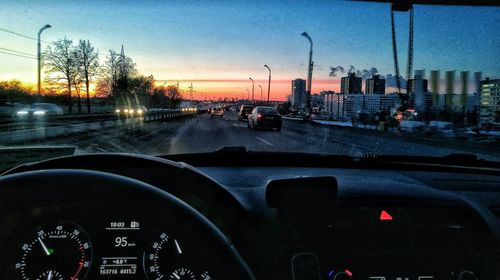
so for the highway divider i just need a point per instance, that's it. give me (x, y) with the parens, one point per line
(152, 115)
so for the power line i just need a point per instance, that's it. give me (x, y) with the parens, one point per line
(18, 52)
(21, 35)
(20, 55)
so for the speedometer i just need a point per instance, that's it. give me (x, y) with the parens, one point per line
(60, 251)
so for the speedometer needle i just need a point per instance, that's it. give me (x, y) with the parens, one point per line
(49, 277)
(47, 251)
(176, 276)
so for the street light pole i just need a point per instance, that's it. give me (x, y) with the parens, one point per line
(309, 76)
(260, 93)
(248, 94)
(253, 89)
(39, 45)
(269, 83)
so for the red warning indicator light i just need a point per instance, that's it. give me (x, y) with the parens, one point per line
(384, 216)
(348, 272)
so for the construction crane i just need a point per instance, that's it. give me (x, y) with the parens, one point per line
(409, 69)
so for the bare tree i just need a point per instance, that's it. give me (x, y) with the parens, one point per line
(117, 74)
(88, 58)
(59, 59)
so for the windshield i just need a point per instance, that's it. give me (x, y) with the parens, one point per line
(347, 77)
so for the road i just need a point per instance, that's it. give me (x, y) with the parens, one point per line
(201, 133)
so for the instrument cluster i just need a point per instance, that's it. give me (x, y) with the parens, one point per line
(103, 244)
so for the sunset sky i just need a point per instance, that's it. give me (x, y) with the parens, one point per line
(218, 45)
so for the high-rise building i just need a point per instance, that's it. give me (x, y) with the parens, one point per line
(299, 97)
(417, 85)
(375, 85)
(344, 106)
(490, 102)
(351, 84)
(417, 88)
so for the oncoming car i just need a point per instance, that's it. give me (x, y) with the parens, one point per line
(131, 111)
(40, 110)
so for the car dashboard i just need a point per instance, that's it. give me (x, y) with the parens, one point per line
(116, 216)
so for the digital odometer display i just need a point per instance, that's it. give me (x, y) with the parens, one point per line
(121, 259)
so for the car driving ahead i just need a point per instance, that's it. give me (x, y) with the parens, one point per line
(244, 111)
(265, 117)
(217, 112)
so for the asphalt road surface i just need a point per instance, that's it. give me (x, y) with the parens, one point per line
(201, 133)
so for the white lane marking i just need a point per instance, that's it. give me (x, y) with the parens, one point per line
(235, 125)
(265, 141)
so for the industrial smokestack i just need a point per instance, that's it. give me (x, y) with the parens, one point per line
(450, 81)
(464, 81)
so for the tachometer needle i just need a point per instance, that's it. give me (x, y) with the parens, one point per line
(47, 251)
(176, 276)
(49, 277)
(179, 250)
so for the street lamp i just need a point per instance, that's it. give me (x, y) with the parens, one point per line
(309, 76)
(248, 94)
(269, 83)
(260, 92)
(253, 89)
(40, 55)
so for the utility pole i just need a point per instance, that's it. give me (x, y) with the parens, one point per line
(39, 47)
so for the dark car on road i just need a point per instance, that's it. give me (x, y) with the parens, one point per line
(244, 111)
(262, 116)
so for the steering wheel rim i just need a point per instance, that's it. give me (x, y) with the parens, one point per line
(177, 178)
(47, 187)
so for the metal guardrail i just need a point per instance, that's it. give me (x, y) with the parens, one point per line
(147, 116)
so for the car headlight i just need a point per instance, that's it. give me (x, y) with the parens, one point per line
(117, 110)
(39, 113)
(22, 113)
(139, 111)
(126, 110)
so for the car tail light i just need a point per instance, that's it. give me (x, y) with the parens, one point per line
(259, 116)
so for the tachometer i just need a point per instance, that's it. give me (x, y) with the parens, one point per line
(60, 251)
(169, 259)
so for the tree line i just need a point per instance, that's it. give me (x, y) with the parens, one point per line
(72, 69)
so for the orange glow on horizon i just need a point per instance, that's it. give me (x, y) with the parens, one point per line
(209, 89)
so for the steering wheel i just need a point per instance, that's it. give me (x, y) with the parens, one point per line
(176, 178)
(97, 193)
